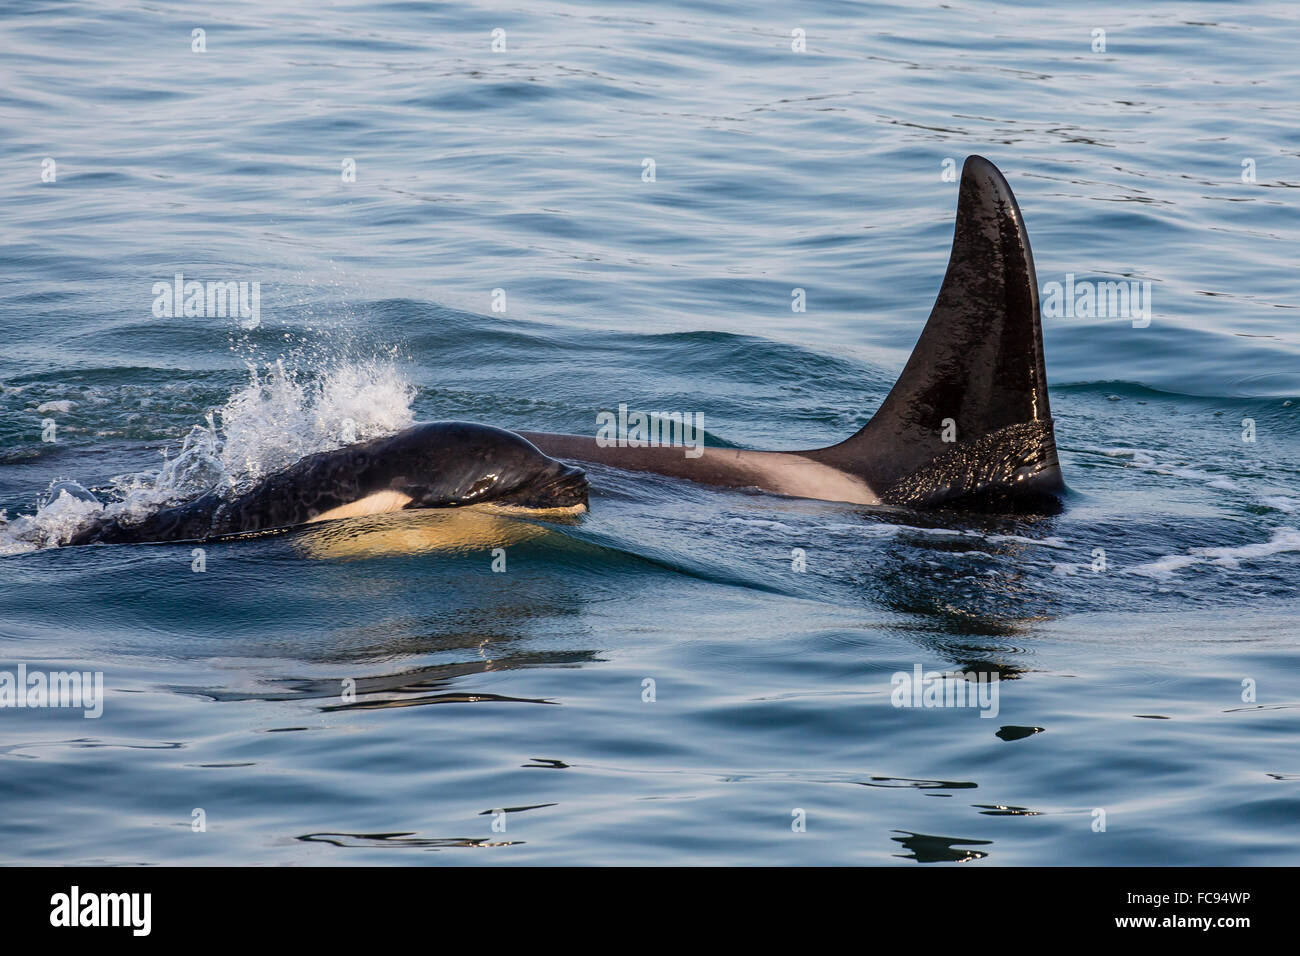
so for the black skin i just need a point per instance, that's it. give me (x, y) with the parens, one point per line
(436, 465)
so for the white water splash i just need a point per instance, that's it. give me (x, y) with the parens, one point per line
(54, 522)
(271, 422)
(277, 418)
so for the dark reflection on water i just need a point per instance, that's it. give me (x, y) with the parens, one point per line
(917, 784)
(994, 810)
(950, 608)
(450, 698)
(938, 849)
(406, 688)
(402, 841)
(535, 806)
(498, 651)
(1018, 733)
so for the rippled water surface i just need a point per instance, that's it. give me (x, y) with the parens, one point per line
(654, 683)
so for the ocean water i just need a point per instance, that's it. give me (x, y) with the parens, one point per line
(656, 683)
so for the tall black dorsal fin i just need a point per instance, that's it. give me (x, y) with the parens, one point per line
(979, 362)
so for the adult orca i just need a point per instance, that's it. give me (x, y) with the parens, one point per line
(966, 425)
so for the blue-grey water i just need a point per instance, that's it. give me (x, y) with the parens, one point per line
(655, 683)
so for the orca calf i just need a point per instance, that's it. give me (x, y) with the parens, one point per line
(434, 465)
(967, 425)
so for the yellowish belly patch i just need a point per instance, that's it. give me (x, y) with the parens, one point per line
(476, 528)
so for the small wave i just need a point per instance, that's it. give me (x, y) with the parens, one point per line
(1148, 461)
(1284, 540)
(1281, 503)
(1119, 389)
